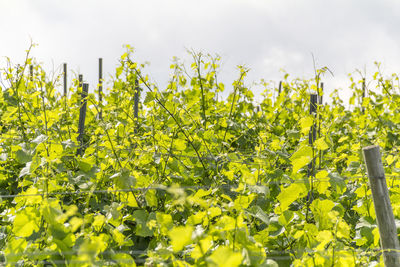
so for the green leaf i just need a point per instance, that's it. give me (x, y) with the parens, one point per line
(320, 144)
(290, 194)
(164, 221)
(259, 189)
(25, 170)
(151, 198)
(118, 237)
(14, 249)
(258, 213)
(300, 162)
(306, 123)
(214, 212)
(23, 156)
(180, 236)
(98, 222)
(301, 157)
(270, 263)
(142, 218)
(286, 217)
(124, 180)
(123, 260)
(337, 182)
(224, 256)
(25, 223)
(40, 139)
(180, 144)
(85, 165)
(323, 237)
(343, 230)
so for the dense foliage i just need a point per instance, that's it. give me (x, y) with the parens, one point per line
(197, 179)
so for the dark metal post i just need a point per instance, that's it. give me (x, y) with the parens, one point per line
(280, 88)
(363, 95)
(100, 87)
(136, 104)
(311, 138)
(31, 72)
(313, 110)
(320, 99)
(65, 78)
(82, 116)
(80, 79)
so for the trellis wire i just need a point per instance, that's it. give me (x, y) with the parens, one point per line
(273, 254)
(167, 188)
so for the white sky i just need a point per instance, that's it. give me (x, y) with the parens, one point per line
(265, 35)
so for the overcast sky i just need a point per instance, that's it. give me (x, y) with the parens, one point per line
(265, 35)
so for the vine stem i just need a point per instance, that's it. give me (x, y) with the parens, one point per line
(233, 102)
(19, 80)
(176, 121)
(203, 103)
(112, 147)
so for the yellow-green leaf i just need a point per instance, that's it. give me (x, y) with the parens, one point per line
(306, 123)
(300, 162)
(124, 260)
(180, 237)
(390, 159)
(320, 144)
(25, 224)
(290, 194)
(301, 157)
(343, 230)
(323, 237)
(224, 256)
(321, 174)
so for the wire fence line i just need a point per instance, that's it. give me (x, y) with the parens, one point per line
(173, 188)
(271, 254)
(244, 152)
(248, 159)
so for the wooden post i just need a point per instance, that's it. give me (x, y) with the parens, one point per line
(82, 116)
(65, 78)
(100, 87)
(383, 208)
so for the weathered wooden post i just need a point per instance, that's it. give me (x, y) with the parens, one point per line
(82, 117)
(383, 208)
